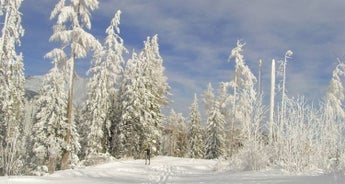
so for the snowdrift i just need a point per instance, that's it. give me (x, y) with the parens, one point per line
(169, 170)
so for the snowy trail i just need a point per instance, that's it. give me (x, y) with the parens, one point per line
(166, 170)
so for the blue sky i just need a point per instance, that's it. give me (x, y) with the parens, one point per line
(196, 37)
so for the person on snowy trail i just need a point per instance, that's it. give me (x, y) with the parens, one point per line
(147, 155)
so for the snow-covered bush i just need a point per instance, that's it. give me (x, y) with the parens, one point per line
(254, 155)
(40, 170)
(95, 159)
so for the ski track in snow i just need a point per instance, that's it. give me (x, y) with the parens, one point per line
(168, 170)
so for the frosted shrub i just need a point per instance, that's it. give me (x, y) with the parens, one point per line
(95, 159)
(221, 165)
(253, 156)
(341, 163)
(40, 170)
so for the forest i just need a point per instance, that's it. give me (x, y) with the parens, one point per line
(123, 112)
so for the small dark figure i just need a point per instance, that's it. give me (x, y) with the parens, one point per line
(147, 155)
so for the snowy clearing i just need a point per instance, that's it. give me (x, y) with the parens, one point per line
(168, 170)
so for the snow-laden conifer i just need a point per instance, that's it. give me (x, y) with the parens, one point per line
(130, 126)
(196, 142)
(106, 70)
(215, 133)
(157, 89)
(215, 138)
(332, 127)
(49, 128)
(155, 69)
(136, 110)
(12, 88)
(208, 98)
(142, 95)
(72, 16)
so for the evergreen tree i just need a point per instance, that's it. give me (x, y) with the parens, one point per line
(142, 94)
(157, 89)
(72, 17)
(215, 133)
(156, 71)
(333, 117)
(106, 69)
(130, 129)
(12, 89)
(208, 98)
(196, 143)
(50, 126)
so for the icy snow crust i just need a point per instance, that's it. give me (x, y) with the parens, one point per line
(169, 170)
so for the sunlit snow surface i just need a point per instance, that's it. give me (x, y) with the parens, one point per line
(169, 170)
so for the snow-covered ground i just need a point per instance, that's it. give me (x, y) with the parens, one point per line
(168, 170)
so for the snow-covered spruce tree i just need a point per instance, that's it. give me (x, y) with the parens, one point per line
(215, 142)
(30, 110)
(196, 142)
(143, 93)
(208, 98)
(333, 117)
(155, 69)
(11, 89)
(107, 66)
(157, 89)
(131, 95)
(72, 17)
(116, 113)
(244, 94)
(215, 133)
(114, 49)
(224, 99)
(175, 135)
(49, 129)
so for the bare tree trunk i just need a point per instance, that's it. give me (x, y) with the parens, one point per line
(51, 164)
(232, 141)
(66, 151)
(260, 80)
(271, 128)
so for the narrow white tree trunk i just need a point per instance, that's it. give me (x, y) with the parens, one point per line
(271, 123)
(66, 151)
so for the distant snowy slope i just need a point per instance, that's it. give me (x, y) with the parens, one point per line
(33, 84)
(168, 170)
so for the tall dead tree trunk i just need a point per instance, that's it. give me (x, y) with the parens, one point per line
(66, 151)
